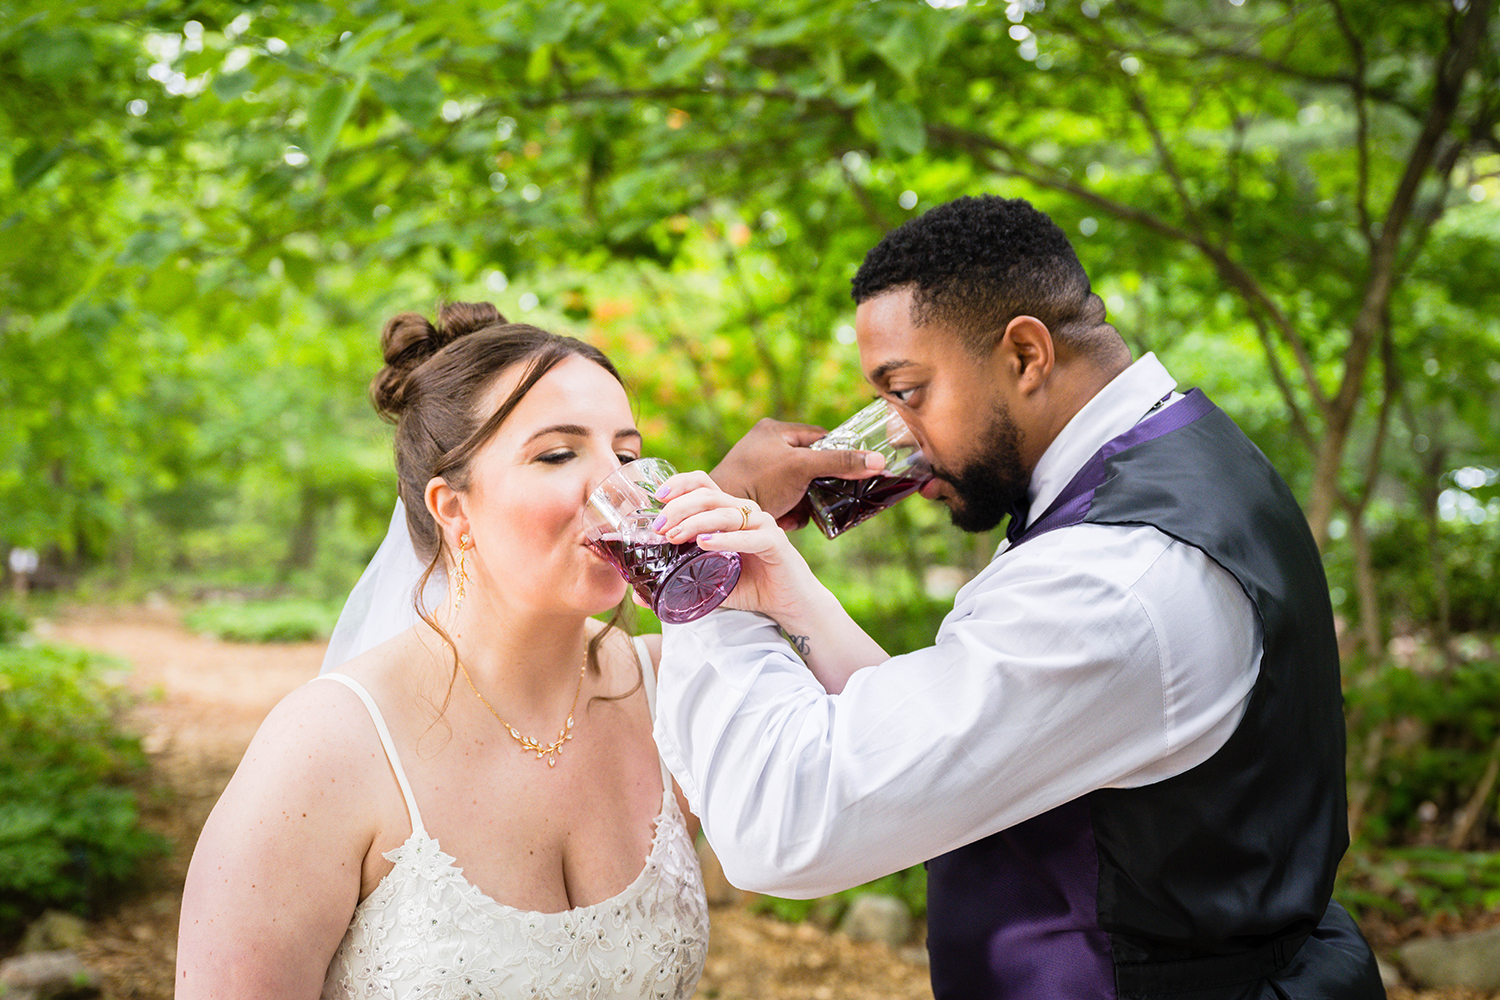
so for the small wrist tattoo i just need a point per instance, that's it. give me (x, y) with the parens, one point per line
(801, 643)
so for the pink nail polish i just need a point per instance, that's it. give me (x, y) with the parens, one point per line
(661, 519)
(663, 491)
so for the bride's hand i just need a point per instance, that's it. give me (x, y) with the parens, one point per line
(773, 574)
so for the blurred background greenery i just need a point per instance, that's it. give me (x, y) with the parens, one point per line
(208, 209)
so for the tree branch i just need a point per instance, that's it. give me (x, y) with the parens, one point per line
(1163, 154)
(1453, 67)
(871, 210)
(1357, 84)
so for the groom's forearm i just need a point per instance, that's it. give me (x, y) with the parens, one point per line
(829, 641)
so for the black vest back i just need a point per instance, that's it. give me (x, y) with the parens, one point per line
(1213, 880)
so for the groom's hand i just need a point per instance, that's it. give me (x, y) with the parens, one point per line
(772, 465)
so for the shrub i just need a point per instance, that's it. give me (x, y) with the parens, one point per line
(1400, 883)
(901, 627)
(13, 624)
(909, 886)
(265, 621)
(1401, 559)
(1435, 731)
(69, 830)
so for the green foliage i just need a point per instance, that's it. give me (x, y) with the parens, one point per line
(209, 212)
(69, 830)
(909, 886)
(1470, 556)
(1403, 543)
(1420, 881)
(290, 620)
(900, 627)
(13, 624)
(1437, 728)
(199, 203)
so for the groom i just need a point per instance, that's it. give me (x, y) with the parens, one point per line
(1122, 758)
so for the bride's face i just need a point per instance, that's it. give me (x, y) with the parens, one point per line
(529, 482)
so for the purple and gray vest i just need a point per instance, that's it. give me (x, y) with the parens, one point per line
(1214, 884)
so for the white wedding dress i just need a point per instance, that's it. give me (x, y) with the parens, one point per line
(427, 933)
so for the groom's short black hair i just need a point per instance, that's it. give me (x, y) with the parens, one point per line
(977, 262)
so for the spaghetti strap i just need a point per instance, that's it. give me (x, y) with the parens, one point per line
(648, 673)
(385, 741)
(648, 678)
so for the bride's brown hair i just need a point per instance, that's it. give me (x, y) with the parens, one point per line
(434, 379)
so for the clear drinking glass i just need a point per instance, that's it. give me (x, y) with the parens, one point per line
(840, 504)
(678, 582)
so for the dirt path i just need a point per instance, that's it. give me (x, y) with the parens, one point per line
(201, 703)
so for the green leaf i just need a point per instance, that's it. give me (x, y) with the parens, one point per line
(415, 98)
(357, 52)
(780, 34)
(65, 55)
(300, 271)
(897, 126)
(153, 137)
(539, 65)
(853, 97)
(553, 23)
(831, 64)
(682, 60)
(330, 109)
(33, 163)
(232, 86)
(916, 39)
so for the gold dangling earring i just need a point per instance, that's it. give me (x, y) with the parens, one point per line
(463, 576)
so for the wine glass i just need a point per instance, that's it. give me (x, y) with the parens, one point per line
(678, 582)
(839, 504)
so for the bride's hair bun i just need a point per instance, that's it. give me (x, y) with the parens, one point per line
(410, 339)
(459, 318)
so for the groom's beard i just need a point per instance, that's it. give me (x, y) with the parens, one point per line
(986, 488)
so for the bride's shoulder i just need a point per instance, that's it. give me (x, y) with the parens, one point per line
(325, 726)
(315, 756)
(310, 785)
(321, 726)
(395, 669)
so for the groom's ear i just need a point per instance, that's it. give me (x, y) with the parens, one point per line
(446, 505)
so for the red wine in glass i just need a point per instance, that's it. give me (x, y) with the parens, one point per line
(840, 504)
(680, 583)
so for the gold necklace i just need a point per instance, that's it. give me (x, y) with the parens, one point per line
(529, 745)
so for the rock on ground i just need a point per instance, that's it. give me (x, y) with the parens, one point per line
(876, 917)
(55, 930)
(44, 975)
(1471, 961)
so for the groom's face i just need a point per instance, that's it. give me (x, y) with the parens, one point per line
(954, 401)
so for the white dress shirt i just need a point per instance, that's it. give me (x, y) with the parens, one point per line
(1094, 656)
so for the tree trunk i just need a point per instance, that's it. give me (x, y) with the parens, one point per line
(1468, 819)
(1370, 635)
(304, 542)
(1432, 470)
(1363, 783)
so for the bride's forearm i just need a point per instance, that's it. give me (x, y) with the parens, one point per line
(829, 641)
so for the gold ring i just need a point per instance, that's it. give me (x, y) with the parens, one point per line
(744, 518)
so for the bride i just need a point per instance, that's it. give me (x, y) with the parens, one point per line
(475, 807)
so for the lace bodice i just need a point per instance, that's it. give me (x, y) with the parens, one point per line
(427, 932)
